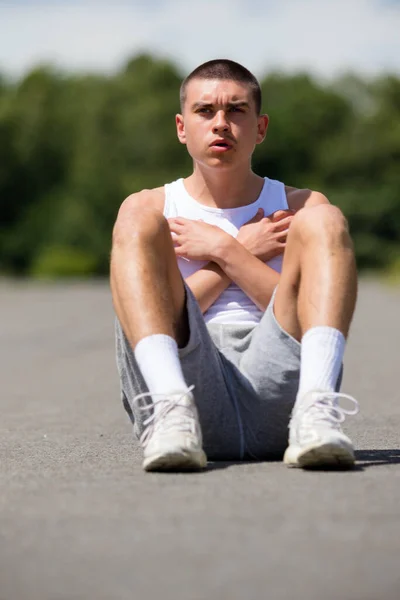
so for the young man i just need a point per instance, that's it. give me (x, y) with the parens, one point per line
(218, 351)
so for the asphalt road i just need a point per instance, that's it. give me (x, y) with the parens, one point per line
(80, 520)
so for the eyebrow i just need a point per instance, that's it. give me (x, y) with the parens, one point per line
(232, 104)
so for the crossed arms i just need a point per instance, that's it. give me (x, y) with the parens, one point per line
(241, 260)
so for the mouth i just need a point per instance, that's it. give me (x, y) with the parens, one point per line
(221, 145)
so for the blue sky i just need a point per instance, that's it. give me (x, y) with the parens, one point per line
(324, 37)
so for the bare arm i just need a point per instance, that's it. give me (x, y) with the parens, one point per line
(264, 238)
(254, 277)
(207, 284)
(244, 263)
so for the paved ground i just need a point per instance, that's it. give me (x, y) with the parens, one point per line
(80, 520)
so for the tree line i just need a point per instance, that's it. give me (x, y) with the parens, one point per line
(74, 146)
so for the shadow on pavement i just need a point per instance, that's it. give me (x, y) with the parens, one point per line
(364, 458)
(225, 464)
(375, 458)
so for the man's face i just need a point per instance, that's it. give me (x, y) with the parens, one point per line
(219, 124)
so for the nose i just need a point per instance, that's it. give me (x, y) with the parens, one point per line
(220, 122)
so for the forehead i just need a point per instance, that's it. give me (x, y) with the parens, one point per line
(217, 91)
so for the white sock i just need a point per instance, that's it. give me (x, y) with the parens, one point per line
(322, 350)
(158, 360)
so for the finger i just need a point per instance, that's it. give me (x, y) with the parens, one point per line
(175, 227)
(175, 239)
(283, 223)
(281, 235)
(278, 214)
(281, 214)
(257, 217)
(177, 220)
(180, 254)
(281, 249)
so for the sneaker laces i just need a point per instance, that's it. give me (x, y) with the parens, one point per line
(184, 421)
(327, 410)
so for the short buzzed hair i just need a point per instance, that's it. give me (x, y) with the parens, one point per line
(223, 68)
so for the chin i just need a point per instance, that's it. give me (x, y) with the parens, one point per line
(218, 163)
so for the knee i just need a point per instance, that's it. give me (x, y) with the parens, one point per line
(323, 222)
(138, 223)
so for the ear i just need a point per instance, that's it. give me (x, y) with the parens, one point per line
(262, 127)
(180, 128)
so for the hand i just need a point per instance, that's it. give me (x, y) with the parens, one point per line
(197, 240)
(265, 237)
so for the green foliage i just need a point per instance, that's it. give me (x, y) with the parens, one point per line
(73, 147)
(392, 272)
(62, 261)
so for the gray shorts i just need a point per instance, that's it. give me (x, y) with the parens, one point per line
(246, 379)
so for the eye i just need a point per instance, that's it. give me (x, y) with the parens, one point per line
(236, 109)
(204, 110)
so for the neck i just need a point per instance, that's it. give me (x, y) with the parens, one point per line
(226, 188)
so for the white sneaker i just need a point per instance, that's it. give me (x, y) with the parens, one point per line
(172, 439)
(316, 438)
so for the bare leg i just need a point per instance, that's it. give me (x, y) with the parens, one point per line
(149, 300)
(147, 288)
(315, 302)
(318, 285)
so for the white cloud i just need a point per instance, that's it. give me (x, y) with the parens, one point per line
(321, 36)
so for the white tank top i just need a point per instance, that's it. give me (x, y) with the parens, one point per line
(233, 305)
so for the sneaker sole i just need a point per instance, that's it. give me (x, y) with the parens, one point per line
(326, 455)
(178, 460)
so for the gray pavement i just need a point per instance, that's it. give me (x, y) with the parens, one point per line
(80, 520)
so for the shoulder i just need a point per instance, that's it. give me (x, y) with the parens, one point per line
(299, 198)
(152, 198)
